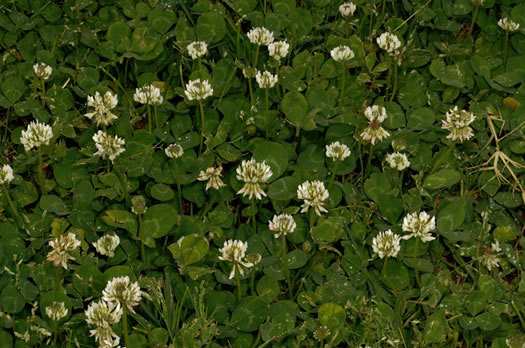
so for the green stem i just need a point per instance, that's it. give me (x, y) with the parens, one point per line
(108, 166)
(150, 126)
(201, 107)
(384, 273)
(141, 236)
(369, 161)
(416, 263)
(156, 117)
(342, 86)
(55, 332)
(333, 175)
(311, 219)
(253, 217)
(238, 279)
(349, 26)
(252, 99)
(237, 42)
(10, 201)
(43, 85)
(266, 116)
(395, 82)
(383, 8)
(179, 308)
(123, 182)
(252, 281)
(278, 82)
(506, 47)
(256, 56)
(285, 264)
(518, 313)
(177, 180)
(473, 21)
(125, 325)
(41, 171)
(200, 64)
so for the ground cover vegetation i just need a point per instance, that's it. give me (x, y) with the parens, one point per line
(262, 173)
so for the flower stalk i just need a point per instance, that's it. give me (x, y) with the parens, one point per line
(266, 115)
(10, 201)
(177, 180)
(285, 264)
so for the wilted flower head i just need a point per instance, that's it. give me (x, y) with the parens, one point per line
(36, 134)
(260, 36)
(419, 225)
(213, 175)
(234, 251)
(102, 105)
(198, 90)
(138, 205)
(321, 333)
(386, 244)
(266, 79)
(314, 194)
(108, 147)
(282, 224)
(253, 173)
(197, 49)
(56, 311)
(398, 160)
(122, 290)
(253, 258)
(174, 151)
(508, 25)
(490, 258)
(389, 42)
(347, 9)
(278, 49)
(42, 70)
(249, 72)
(61, 247)
(6, 174)
(457, 122)
(374, 132)
(148, 95)
(342, 53)
(107, 244)
(337, 151)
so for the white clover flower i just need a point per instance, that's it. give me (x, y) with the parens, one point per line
(122, 290)
(56, 311)
(321, 333)
(347, 9)
(508, 25)
(138, 205)
(197, 49)
(266, 79)
(42, 70)
(490, 258)
(337, 151)
(495, 247)
(235, 251)
(102, 315)
(282, 224)
(148, 95)
(342, 53)
(457, 122)
(398, 160)
(376, 113)
(6, 174)
(374, 132)
(260, 36)
(174, 151)
(36, 134)
(107, 244)
(389, 42)
(108, 147)
(213, 176)
(278, 49)
(386, 244)
(419, 225)
(314, 194)
(253, 173)
(102, 105)
(198, 90)
(109, 342)
(61, 247)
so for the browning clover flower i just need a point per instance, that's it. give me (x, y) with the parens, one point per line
(278, 49)
(314, 194)
(386, 244)
(337, 151)
(213, 175)
(266, 79)
(197, 49)
(42, 70)
(138, 205)
(342, 53)
(374, 132)
(235, 251)
(347, 9)
(174, 151)
(61, 247)
(36, 134)
(108, 147)
(198, 90)
(6, 174)
(260, 36)
(282, 224)
(389, 42)
(321, 333)
(102, 105)
(122, 290)
(148, 95)
(457, 123)
(508, 25)
(107, 244)
(253, 173)
(398, 160)
(419, 225)
(56, 311)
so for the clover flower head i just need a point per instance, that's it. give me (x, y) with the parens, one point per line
(61, 247)
(213, 176)
(197, 49)
(138, 205)
(108, 147)
(398, 160)
(278, 49)
(478, 2)
(42, 70)
(252, 173)
(107, 244)
(6, 174)
(347, 9)
(389, 42)
(265, 79)
(321, 333)
(148, 95)
(282, 224)
(374, 132)
(101, 313)
(376, 113)
(36, 134)
(419, 225)
(386, 244)
(508, 25)
(198, 90)
(102, 108)
(122, 290)
(249, 72)
(337, 151)
(458, 123)
(56, 311)
(314, 194)
(235, 251)
(342, 53)
(260, 36)
(174, 151)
